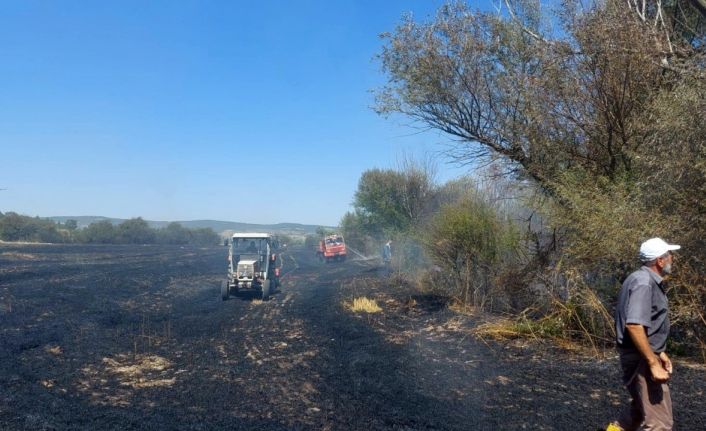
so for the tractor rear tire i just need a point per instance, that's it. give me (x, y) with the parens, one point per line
(225, 290)
(266, 290)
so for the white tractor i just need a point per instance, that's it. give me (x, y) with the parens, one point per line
(251, 265)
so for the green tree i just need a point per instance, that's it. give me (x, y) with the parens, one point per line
(390, 201)
(101, 232)
(311, 241)
(16, 227)
(135, 231)
(322, 231)
(599, 107)
(12, 227)
(174, 233)
(356, 229)
(542, 100)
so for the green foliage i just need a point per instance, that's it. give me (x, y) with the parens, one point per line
(547, 327)
(543, 99)
(135, 231)
(359, 232)
(389, 201)
(102, 232)
(311, 241)
(604, 117)
(468, 240)
(322, 231)
(15, 227)
(174, 233)
(378, 201)
(468, 228)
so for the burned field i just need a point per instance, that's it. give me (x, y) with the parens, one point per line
(137, 337)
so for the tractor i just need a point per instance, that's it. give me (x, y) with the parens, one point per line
(251, 266)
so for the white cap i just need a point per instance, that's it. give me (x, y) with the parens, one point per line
(654, 248)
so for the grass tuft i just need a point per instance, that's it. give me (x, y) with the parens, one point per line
(363, 305)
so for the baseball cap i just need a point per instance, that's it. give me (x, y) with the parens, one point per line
(654, 248)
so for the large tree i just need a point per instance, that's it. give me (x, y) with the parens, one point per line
(100, 232)
(600, 106)
(581, 102)
(135, 231)
(389, 201)
(541, 98)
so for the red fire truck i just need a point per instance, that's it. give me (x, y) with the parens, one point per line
(332, 248)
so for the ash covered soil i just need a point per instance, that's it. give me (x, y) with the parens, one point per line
(137, 337)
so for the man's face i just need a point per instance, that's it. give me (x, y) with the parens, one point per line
(665, 263)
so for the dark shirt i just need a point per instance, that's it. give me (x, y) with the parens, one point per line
(642, 301)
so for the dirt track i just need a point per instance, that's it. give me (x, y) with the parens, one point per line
(125, 337)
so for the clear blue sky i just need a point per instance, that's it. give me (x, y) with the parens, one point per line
(176, 110)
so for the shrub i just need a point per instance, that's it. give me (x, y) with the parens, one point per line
(468, 241)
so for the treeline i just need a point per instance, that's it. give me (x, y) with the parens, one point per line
(596, 110)
(453, 238)
(16, 227)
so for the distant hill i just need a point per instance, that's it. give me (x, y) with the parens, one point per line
(218, 226)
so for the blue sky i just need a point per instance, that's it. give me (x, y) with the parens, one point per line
(176, 110)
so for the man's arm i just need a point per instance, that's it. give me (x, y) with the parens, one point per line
(639, 338)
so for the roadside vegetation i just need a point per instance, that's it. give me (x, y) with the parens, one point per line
(585, 126)
(16, 227)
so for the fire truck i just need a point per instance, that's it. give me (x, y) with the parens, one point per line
(332, 248)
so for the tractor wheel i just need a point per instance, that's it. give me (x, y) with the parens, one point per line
(225, 290)
(266, 290)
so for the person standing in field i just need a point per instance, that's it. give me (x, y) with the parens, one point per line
(642, 329)
(387, 254)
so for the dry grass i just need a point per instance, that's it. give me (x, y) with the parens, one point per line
(54, 350)
(18, 256)
(582, 323)
(363, 305)
(498, 329)
(143, 372)
(459, 307)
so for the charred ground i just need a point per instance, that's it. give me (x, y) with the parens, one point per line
(129, 337)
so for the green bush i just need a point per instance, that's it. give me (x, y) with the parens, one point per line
(16, 227)
(311, 241)
(469, 241)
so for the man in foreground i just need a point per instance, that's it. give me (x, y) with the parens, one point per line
(642, 328)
